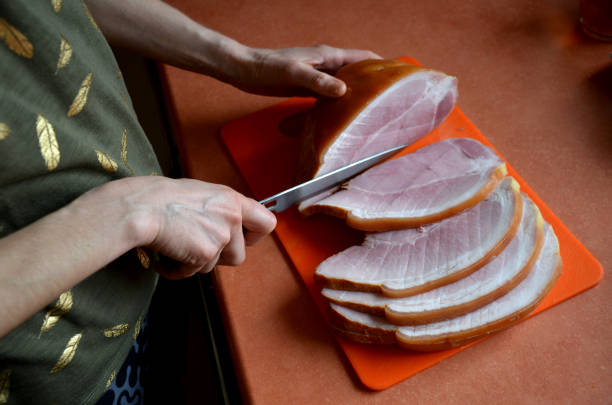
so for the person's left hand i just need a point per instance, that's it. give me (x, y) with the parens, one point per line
(301, 71)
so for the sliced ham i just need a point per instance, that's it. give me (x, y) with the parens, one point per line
(387, 103)
(433, 183)
(492, 281)
(498, 315)
(411, 261)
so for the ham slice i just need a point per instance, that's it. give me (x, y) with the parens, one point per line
(433, 183)
(411, 261)
(496, 316)
(495, 279)
(387, 103)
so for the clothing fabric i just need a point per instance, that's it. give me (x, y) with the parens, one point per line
(66, 126)
(128, 387)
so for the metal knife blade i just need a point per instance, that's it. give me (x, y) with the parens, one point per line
(285, 199)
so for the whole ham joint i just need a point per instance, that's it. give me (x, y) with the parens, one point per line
(388, 103)
(411, 261)
(496, 316)
(433, 183)
(493, 280)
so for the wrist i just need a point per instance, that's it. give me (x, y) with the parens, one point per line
(109, 216)
(219, 56)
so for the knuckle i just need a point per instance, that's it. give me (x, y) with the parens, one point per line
(292, 70)
(218, 239)
(328, 52)
(232, 195)
(234, 218)
(207, 254)
(224, 238)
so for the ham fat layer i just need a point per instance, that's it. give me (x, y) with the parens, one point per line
(492, 281)
(433, 183)
(411, 261)
(497, 315)
(387, 103)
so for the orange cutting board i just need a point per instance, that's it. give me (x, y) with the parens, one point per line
(268, 160)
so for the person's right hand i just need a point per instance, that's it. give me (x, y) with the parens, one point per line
(195, 223)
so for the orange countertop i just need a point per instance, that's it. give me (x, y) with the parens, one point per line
(537, 89)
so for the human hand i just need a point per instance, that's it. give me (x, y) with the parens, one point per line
(159, 31)
(197, 224)
(302, 71)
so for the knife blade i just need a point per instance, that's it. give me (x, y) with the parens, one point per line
(285, 199)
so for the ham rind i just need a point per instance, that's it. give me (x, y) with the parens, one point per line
(494, 317)
(433, 183)
(388, 103)
(492, 281)
(412, 261)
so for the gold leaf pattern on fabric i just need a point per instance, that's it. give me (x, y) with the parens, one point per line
(110, 379)
(154, 173)
(124, 152)
(68, 353)
(125, 100)
(90, 16)
(61, 308)
(65, 54)
(143, 257)
(81, 98)
(5, 385)
(124, 147)
(4, 130)
(119, 73)
(49, 148)
(137, 327)
(15, 40)
(116, 331)
(106, 162)
(57, 5)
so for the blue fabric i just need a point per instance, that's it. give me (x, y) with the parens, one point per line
(128, 386)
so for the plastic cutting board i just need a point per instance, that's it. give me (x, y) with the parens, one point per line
(267, 159)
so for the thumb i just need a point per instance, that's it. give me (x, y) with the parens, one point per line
(257, 221)
(319, 82)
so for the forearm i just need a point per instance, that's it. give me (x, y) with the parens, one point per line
(50, 256)
(159, 31)
(195, 223)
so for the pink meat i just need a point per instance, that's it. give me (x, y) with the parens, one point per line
(428, 185)
(493, 280)
(403, 113)
(411, 261)
(490, 318)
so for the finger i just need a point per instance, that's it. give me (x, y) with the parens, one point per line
(193, 249)
(334, 58)
(234, 252)
(210, 266)
(175, 270)
(355, 55)
(256, 220)
(317, 81)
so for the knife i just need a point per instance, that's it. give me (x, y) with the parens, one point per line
(285, 199)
